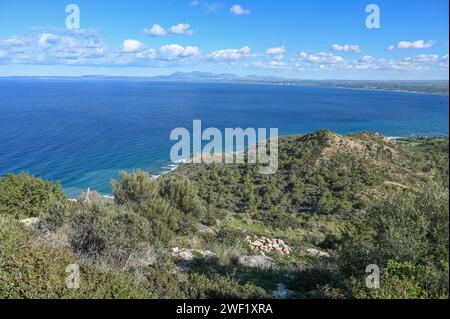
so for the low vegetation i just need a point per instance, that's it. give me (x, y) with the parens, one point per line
(340, 203)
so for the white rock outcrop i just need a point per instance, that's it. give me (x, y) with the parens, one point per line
(261, 262)
(32, 222)
(266, 246)
(317, 253)
(190, 254)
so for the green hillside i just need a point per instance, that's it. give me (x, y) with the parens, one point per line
(336, 205)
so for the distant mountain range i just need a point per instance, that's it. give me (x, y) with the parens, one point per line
(209, 76)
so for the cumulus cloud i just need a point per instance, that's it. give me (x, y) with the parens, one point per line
(54, 46)
(51, 46)
(230, 54)
(209, 7)
(147, 54)
(47, 39)
(321, 57)
(423, 58)
(181, 28)
(176, 51)
(276, 51)
(270, 65)
(346, 48)
(238, 10)
(157, 30)
(302, 54)
(131, 45)
(419, 44)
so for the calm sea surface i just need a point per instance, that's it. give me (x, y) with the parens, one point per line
(83, 132)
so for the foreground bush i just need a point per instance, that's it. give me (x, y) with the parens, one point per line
(23, 196)
(405, 233)
(101, 228)
(31, 269)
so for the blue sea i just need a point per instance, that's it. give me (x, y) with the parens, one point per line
(82, 132)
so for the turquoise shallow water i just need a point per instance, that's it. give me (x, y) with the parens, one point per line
(83, 132)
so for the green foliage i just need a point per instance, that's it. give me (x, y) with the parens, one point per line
(276, 218)
(164, 221)
(98, 228)
(30, 269)
(325, 181)
(404, 280)
(182, 195)
(405, 233)
(135, 188)
(306, 182)
(166, 282)
(56, 214)
(23, 196)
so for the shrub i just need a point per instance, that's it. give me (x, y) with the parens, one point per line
(277, 219)
(100, 228)
(164, 220)
(30, 269)
(23, 196)
(56, 215)
(182, 194)
(405, 234)
(135, 188)
(403, 280)
(166, 281)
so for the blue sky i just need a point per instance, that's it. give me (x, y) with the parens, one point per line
(320, 39)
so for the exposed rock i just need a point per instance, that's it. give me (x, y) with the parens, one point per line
(317, 253)
(143, 259)
(206, 229)
(32, 222)
(267, 246)
(261, 262)
(190, 254)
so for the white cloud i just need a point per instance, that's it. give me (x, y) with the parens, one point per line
(276, 51)
(47, 39)
(51, 46)
(423, 58)
(181, 28)
(278, 57)
(156, 31)
(54, 46)
(147, 54)
(176, 51)
(131, 46)
(230, 54)
(419, 44)
(270, 65)
(209, 7)
(303, 54)
(238, 10)
(321, 57)
(346, 48)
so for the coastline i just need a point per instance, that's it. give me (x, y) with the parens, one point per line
(174, 166)
(286, 82)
